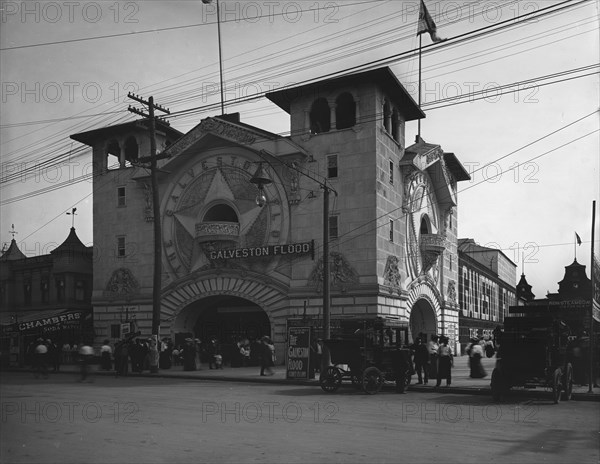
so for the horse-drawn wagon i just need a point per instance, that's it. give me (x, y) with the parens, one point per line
(533, 352)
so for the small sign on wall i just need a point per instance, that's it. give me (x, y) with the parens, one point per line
(298, 353)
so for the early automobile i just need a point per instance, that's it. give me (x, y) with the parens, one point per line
(367, 353)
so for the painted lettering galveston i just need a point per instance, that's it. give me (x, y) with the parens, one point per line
(272, 250)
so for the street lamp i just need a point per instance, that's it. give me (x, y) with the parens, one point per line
(260, 179)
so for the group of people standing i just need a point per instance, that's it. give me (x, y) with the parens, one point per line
(142, 353)
(433, 359)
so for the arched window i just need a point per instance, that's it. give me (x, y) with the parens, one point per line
(345, 111)
(221, 213)
(424, 225)
(320, 117)
(387, 116)
(131, 149)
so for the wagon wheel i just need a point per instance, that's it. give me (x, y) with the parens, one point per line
(497, 385)
(372, 380)
(331, 379)
(568, 383)
(556, 384)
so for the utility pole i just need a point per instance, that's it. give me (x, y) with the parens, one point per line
(156, 287)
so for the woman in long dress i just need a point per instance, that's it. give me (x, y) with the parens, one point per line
(475, 355)
(445, 362)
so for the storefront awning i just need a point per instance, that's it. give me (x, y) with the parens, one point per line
(40, 320)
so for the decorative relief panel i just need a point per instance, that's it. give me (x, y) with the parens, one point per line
(342, 273)
(122, 282)
(392, 276)
(220, 183)
(451, 292)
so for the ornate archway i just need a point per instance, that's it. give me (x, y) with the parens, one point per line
(425, 310)
(180, 304)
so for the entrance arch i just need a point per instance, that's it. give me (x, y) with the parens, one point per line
(227, 318)
(192, 300)
(422, 319)
(425, 310)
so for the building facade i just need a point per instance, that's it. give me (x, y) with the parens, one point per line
(233, 268)
(46, 296)
(487, 288)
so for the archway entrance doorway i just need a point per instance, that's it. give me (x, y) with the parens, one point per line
(230, 320)
(422, 320)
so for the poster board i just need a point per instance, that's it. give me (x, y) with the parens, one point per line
(298, 353)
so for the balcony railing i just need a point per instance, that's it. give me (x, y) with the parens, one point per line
(432, 246)
(217, 231)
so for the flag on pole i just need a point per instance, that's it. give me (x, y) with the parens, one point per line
(577, 238)
(426, 24)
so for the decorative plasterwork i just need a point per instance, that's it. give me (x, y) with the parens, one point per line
(228, 131)
(342, 273)
(122, 282)
(391, 275)
(451, 292)
(423, 289)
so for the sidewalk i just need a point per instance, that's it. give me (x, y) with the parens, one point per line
(461, 382)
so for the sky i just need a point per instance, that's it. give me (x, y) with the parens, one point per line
(533, 155)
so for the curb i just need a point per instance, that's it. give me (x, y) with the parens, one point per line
(485, 391)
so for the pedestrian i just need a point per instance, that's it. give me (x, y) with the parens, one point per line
(445, 362)
(66, 353)
(106, 356)
(421, 361)
(245, 353)
(40, 358)
(166, 354)
(475, 352)
(177, 355)
(53, 355)
(488, 346)
(153, 355)
(402, 366)
(433, 347)
(122, 358)
(189, 355)
(212, 351)
(86, 357)
(267, 356)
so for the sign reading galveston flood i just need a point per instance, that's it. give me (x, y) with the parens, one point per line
(272, 250)
(298, 353)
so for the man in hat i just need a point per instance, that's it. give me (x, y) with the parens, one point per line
(40, 354)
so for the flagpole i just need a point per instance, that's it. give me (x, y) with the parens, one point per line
(419, 121)
(592, 380)
(220, 58)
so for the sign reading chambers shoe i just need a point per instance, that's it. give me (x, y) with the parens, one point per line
(298, 353)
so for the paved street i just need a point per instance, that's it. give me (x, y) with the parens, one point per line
(181, 420)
